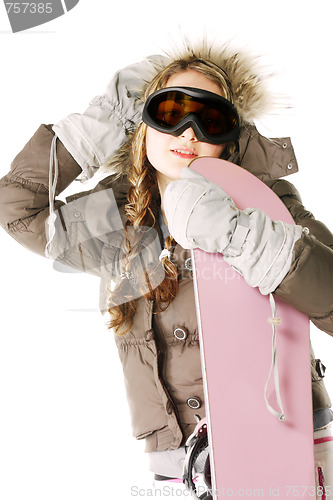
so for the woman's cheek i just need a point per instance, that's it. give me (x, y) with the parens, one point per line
(153, 146)
(212, 150)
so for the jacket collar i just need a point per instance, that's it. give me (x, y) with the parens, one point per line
(267, 159)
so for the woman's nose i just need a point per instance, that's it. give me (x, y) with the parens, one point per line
(189, 134)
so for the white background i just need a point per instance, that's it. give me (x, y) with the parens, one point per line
(64, 424)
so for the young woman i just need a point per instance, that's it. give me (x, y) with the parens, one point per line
(119, 230)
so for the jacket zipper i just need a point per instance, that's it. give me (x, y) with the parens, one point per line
(321, 479)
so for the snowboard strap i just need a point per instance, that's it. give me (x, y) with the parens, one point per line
(275, 321)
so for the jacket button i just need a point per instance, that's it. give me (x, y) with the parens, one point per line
(289, 166)
(194, 403)
(77, 214)
(180, 333)
(188, 264)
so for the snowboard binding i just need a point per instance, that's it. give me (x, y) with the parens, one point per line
(195, 445)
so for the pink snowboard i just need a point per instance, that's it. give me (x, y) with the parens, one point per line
(253, 453)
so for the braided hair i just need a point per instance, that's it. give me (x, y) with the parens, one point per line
(143, 206)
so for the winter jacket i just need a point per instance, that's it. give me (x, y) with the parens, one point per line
(160, 353)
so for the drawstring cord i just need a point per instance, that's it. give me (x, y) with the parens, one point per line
(50, 221)
(275, 321)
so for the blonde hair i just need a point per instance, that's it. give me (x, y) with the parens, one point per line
(143, 199)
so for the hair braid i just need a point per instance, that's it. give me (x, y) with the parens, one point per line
(143, 203)
(141, 211)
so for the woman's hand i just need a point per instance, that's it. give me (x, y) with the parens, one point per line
(93, 137)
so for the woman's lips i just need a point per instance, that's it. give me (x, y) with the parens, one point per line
(184, 153)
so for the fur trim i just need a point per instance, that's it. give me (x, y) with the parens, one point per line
(250, 80)
(248, 76)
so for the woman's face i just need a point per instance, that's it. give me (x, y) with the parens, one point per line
(169, 154)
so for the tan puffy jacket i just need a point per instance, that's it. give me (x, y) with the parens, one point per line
(160, 354)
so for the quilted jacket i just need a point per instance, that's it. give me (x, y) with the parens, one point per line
(160, 354)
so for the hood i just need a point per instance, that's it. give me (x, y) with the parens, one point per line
(248, 75)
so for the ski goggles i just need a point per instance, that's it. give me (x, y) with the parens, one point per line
(174, 109)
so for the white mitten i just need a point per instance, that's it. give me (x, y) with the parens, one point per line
(201, 215)
(94, 136)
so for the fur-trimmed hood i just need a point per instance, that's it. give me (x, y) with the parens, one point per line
(248, 75)
(99, 137)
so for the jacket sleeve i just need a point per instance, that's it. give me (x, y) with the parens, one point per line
(24, 191)
(88, 230)
(308, 286)
(78, 228)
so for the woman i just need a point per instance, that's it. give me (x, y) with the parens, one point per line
(148, 293)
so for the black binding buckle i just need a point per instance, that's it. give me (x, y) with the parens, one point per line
(194, 446)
